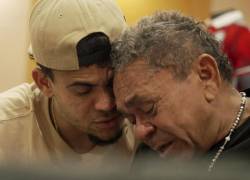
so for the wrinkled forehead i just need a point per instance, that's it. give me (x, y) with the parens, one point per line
(132, 79)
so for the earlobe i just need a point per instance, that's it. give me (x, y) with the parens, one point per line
(42, 82)
(209, 75)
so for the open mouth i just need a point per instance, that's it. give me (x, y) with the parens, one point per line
(164, 149)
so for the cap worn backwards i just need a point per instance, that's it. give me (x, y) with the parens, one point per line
(56, 26)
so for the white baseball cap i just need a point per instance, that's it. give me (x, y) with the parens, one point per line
(56, 26)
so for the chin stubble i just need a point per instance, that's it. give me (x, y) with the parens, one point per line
(98, 141)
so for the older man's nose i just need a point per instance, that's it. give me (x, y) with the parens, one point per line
(144, 131)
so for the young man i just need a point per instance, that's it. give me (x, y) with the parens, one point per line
(68, 114)
(175, 83)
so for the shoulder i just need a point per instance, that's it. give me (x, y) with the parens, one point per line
(17, 102)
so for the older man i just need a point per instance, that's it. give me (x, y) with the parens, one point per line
(174, 83)
(69, 113)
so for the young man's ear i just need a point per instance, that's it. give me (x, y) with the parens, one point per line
(209, 75)
(43, 82)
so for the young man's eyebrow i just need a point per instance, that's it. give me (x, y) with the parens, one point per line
(80, 83)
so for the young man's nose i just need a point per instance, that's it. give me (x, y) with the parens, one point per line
(105, 102)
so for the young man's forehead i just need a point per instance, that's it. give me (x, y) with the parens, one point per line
(90, 73)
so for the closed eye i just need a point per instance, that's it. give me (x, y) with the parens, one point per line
(149, 109)
(81, 89)
(84, 91)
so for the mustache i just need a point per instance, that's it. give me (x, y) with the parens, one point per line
(109, 114)
(106, 117)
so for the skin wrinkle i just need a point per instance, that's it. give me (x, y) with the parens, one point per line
(196, 103)
(133, 83)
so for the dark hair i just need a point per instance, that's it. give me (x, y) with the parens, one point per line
(92, 49)
(169, 39)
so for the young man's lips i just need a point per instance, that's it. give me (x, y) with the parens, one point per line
(107, 123)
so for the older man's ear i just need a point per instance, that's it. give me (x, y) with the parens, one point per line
(209, 75)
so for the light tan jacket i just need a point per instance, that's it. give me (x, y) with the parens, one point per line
(27, 135)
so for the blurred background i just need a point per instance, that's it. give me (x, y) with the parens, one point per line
(16, 64)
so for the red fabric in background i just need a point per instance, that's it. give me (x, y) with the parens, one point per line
(236, 44)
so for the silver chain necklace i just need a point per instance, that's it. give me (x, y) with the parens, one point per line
(228, 137)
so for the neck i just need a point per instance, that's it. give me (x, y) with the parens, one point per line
(230, 105)
(74, 137)
(234, 125)
(220, 116)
